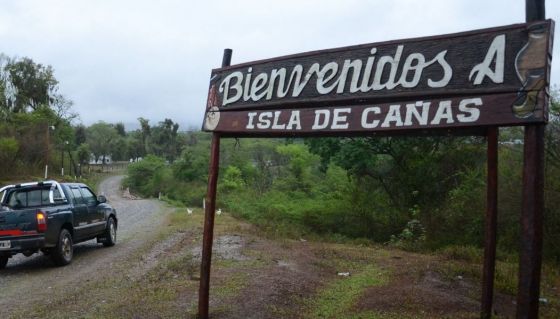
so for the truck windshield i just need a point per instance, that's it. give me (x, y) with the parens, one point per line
(31, 197)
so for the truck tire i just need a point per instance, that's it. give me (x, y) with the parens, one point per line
(110, 233)
(3, 262)
(64, 251)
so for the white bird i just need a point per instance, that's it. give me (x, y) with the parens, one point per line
(189, 211)
(219, 211)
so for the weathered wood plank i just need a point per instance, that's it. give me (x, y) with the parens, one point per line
(461, 112)
(497, 60)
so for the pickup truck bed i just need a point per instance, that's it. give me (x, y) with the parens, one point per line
(50, 217)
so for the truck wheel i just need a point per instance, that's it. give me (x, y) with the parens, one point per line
(110, 233)
(3, 262)
(64, 251)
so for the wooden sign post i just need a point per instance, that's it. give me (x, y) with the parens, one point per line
(464, 83)
(530, 255)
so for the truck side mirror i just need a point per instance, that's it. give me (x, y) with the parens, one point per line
(101, 199)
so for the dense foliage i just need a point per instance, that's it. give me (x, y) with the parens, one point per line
(416, 193)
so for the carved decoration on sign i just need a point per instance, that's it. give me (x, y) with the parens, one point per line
(531, 70)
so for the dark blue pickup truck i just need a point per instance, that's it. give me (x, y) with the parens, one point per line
(50, 217)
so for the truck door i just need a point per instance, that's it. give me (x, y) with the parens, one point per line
(95, 215)
(81, 221)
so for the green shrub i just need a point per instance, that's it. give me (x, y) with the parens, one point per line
(149, 176)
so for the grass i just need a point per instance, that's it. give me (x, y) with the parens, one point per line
(338, 298)
(467, 262)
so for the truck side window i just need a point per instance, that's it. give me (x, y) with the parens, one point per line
(89, 197)
(78, 200)
(17, 199)
(57, 197)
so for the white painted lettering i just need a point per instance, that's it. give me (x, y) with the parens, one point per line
(411, 110)
(356, 66)
(294, 121)
(393, 67)
(250, 124)
(447, 71)
(340, 120)
(443, 112)
(264, 120)
(275, 125)
(394, 115)
(322, 119)
(324, 76)
(246, 91)
(258, 84)
(414, 67)
(495, 53)
(474, 113)
(226, 86)
(365, 113)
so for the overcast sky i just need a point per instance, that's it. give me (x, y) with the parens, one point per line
(118, 60)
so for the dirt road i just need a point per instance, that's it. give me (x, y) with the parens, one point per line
(37, 278)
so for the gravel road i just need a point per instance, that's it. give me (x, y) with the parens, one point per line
(30, 280)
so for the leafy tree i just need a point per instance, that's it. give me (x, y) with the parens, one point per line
(118, 149)
(134, 146)
(83, 153)
(100, 137)
(145, 130)
(34, 85)
(552, 136)
(80, 134)
(120, 129)
(299, 163)
(163, 140)
(191, 166)
(232, 180)
(4, 88)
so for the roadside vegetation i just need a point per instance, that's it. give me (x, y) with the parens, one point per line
(420, 194)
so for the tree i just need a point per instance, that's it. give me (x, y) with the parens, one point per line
(34, 85)
(4, 88)
(118, 149)
(134, 146)
(84, 153)
(552, 136)
(145, 129)
(29, 105)
(416, 175)
(120, 129)
(163, 140)
(79, 134)
(100, 137)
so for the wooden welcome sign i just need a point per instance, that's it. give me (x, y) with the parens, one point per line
(490, 77)
(463, 83)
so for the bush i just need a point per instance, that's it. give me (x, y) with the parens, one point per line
(149, 176)
(9, 147)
